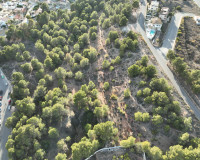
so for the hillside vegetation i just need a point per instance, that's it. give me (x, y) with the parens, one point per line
(81, 84)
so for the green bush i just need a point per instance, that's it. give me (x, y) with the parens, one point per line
(105, 64)
(78, 76)
(27, 68)
(134, 70)
(113, 97)
(178, 8)
(106, 86)
(113, 35)
(127, 93)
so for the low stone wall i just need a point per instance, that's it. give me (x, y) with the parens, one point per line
(107, 153)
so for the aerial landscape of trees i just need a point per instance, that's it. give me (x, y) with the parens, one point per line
(67, 65)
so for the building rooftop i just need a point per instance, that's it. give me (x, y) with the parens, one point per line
(156, 20)
(155, 3)
(164, 10)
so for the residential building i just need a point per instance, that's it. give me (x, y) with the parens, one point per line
(33, 14)
(156, 23)
(153, 6)
(164, 13)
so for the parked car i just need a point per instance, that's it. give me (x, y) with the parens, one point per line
(9, 107)
(0, 122)
(2, 76)
(0, 109)
(0, 103)
(1, 93)
(9, 102)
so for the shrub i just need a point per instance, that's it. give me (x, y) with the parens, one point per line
(117, 43)
(146, 92)
(142, 84)
(113, 97)
(106, 86)
(178, 8)
(130, 142)
(106, 24)
(135, 3)
(117, 60)
(132, 35)
(138, 116)
(93, 36)
(123, 21)
(113, 35)
(127, 93)
(105, 64)
(53, 133)
(107, 41)
(111, 68)
(157, 119)
(84, 62)
(101, 112)
(166, 128)
(134, 70)
(150, 71)
(145, 117)
(139, 93)
(144, 60)
(69, 74)
(27, 68)
(78, 75)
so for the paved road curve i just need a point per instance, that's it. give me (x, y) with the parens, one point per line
(4, 131)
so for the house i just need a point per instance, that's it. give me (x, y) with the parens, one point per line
(156, 23)
(153, 6)
(164, 13)
(33, 14)
(197, 19)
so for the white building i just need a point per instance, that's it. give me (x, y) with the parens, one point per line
(156, 23)
(197, 19)
(164, 13)
(153, 6)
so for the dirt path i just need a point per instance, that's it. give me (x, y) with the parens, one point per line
(101, 45)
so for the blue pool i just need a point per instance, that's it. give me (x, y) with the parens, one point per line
(152, 31)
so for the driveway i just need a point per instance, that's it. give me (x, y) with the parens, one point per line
(4, 131)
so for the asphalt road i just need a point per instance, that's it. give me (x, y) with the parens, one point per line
(4, 131)
(160, 54)
(171, 33)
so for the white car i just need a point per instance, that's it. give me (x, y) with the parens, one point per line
(9, 107)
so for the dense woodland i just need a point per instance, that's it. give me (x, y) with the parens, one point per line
(57, 61)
